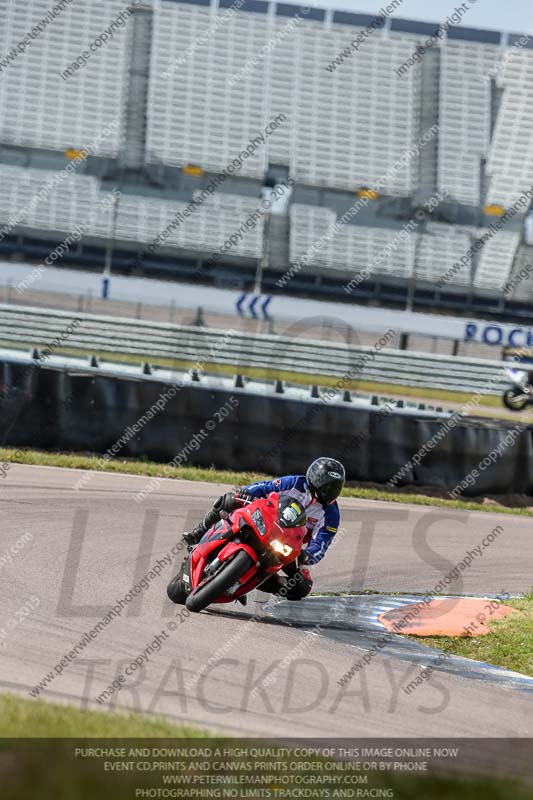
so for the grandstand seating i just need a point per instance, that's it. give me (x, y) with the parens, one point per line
(214, 85)
(353, 248)
(74, 202)
(496, 260)
(464, 118)
(67, 203)
(510, 163)
(441, 247)
(195, 106)
(428, 256)
(37, 107)
(521, 277)
(366, 139)
(143, 219)
(308, 224)
(200, 107)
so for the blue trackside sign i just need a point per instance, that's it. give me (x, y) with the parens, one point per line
(499, 335)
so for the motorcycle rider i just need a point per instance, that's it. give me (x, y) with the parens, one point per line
(317, 491)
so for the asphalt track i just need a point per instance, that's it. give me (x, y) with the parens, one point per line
(89, 546)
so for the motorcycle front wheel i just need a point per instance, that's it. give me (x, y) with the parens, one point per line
(214, 587)
(515, 399)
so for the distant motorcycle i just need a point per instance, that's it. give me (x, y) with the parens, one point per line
(520, 395)
(241, 551)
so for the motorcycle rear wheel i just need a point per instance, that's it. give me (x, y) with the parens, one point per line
(229, 573)
(515, 400)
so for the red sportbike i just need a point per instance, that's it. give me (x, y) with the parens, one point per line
(241, 551)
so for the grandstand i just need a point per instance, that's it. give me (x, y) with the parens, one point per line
(465, 114)
(78, 201)
(183, 88)
(39, 109)
(510, 159)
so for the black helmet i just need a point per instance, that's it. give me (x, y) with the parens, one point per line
(291, 513)
(325, 478)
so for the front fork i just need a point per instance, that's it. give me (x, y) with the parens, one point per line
(185, 569)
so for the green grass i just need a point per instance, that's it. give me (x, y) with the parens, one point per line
(440, 502)
(126, 466)
(20, 717)
(10, 455)
(509, 643)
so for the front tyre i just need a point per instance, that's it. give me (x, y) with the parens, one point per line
(230, 572)
(515, 399)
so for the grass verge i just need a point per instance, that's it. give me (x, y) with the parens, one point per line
(10, 455)
(20, 717)
(509, 643)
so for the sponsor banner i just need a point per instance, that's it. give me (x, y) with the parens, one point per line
(500, 335)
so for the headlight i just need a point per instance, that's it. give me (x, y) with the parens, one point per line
(279, 547)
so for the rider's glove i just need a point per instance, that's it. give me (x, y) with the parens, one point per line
(242, 494)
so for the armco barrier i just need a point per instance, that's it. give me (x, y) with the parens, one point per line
(66, 405)
(24, 326)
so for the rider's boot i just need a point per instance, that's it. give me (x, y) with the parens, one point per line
(196, 534)
(193, 537)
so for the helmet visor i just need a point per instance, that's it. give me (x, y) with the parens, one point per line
(329, 491)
